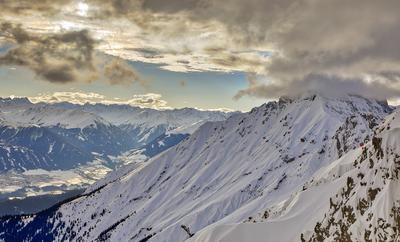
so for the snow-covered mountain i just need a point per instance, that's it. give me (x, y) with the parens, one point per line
(48, 116)
(160, 144)
(185, 120)
(80, 139)
(21, 112)
(64, 135)
(355, 198)
(225, 172)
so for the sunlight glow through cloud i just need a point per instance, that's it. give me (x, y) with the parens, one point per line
(82, 8)
(148, 100)
(220, 36)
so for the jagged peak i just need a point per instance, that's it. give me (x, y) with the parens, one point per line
(15, 100)
(320, 95)
(391, 122)
(343, 105)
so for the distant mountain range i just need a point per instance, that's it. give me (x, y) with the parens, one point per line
(64, 135)
(81, 139)
(311, 168)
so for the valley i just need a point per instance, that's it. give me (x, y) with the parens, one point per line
(199, 121)
(50, 149)
(272, 156)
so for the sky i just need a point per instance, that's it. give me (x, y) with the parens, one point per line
(208, 54)
(203, 90)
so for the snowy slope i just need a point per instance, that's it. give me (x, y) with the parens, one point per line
(148, 124)
(356, 198)
(22, 113)
(135, 158)
(223, 173)
(81, 139)
(181, 119)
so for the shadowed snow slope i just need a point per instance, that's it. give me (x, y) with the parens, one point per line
(224, 173)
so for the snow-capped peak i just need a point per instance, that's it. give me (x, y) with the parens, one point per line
(355, 198)
(223, 172)
(14, 101)
(21, 112)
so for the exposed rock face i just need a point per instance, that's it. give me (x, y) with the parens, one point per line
(367, 207)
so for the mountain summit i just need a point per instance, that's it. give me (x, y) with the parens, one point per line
(355, 198)
(222, 173)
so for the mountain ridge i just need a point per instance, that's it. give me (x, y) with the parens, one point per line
(355, 198)
(268, 154)
(46, 148)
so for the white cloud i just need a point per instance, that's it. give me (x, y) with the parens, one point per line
(164, 39)
(148, 100)
(223, 110)
(352, 45)
(394, 102)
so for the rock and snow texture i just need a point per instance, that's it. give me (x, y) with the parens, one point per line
(227, 172)
(367, 206)
(356, 198)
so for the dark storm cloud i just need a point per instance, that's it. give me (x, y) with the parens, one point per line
(183, 83)
(346, 46)
(246, 21)
(58, 58)
(62, 57)
(312, 43)
(317, 43)
(235, 60)
(148, 53)
(119, 72)
(326, 85)
(47, 7)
